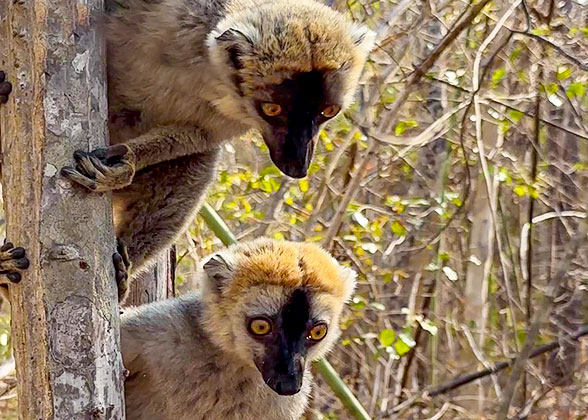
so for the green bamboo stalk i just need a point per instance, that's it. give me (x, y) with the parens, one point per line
(342, 391)
(329, 374)
(217, 225)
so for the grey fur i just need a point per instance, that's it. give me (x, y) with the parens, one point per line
(178, 374)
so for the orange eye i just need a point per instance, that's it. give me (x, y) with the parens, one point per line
(271, 110)
(318, 332)
(260, 326)
(330, 111)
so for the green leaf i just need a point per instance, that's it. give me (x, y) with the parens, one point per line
(551, 88)
(387, 337)
(403, 125)
(575, 90)
(497, 76)
(563, 72)
(398, 228)
(515, 115)
(521, 190)
(303, 184)
(401, 347)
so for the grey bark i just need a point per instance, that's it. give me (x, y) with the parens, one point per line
(156, 284)
(65, 312)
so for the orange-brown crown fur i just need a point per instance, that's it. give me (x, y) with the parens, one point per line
(287, 264)
(281, 38)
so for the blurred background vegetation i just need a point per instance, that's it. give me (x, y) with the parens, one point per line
(458, 191)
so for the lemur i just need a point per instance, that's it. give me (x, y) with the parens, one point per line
(185, 76)
(240, 348)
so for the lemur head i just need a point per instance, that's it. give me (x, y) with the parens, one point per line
(275, 306)
(293, 66)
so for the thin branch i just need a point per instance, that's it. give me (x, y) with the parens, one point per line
(466, 379)
(545, 308)
(582, 65)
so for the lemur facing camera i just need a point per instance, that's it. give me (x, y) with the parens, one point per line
(241, 348)
(184, 76)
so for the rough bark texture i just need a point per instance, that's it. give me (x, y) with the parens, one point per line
(64, 312)
(156, 284)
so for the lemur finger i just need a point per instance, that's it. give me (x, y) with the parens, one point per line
(14, 277)
(6, 246)
(124, 252)
(18, 252)
(3, 99)
(75, 176)
(119, 264)
(85, 164)
(21, 263)
(101, 167)
(5, 88)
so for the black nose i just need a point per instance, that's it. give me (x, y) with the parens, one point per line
(294, 170)
(288, 386)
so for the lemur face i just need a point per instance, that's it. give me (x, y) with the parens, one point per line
(292, 72)
(293, 112)
(284, 339)
(276, 306)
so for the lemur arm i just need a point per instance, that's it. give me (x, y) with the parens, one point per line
(114, 167)
(167, 143)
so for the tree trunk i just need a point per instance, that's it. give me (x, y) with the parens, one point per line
(156, 284)
(65, 313)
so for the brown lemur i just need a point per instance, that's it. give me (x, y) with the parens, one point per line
(241, 347)
(184, 76)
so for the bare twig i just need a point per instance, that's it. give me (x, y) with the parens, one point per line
(545, 307)
(466, 379)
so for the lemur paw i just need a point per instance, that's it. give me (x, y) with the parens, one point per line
(13, 261)
(5, 88)
(102, 170)
(122, 269)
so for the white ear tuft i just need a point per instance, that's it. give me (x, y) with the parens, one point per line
(363, 37)
(349, 277)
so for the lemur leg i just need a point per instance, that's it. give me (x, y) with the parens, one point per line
(159, 205)
(12, 262)
(114, 167)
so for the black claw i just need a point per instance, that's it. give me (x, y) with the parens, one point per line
(67, 171)
(14, 277)
(17, 252)
(22, 263)
(79, 154)
(5, 88)
(2, 76)
(6, 246)
(3, 99)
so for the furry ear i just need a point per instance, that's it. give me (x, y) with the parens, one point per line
(363, 37)
(349, 277)
(238, 42)
(218, 270)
